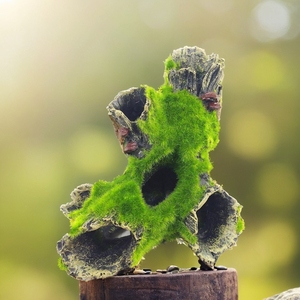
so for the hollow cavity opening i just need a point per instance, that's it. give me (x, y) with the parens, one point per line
(159, 185)
(132, 104)
(103, 245)
(212, 216)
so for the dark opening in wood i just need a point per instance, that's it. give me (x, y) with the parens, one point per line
(212, 216)
(104, 249)
(131, 104)
(159, 185)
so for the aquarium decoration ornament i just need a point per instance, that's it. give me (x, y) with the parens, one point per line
(165, 192)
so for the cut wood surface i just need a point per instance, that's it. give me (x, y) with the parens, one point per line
(206, 285)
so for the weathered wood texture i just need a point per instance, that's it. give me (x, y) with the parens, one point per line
(200, 285)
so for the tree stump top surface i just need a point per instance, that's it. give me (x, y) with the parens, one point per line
(219, 285)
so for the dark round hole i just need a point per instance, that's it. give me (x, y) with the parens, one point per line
(212, 216)
(102, 246)
(159, 186)
(131, 104)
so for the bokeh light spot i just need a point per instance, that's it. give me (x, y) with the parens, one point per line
(93, 151)
(267, 70)
(278, 185)
(270, 20)
(251, 135)
(263, 248)
(274, 235)
(264, 71)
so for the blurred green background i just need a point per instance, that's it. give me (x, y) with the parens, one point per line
(62, 62)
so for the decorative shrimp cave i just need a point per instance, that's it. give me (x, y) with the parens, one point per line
(165, 192)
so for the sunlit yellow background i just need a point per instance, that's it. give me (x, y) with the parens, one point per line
(63, 61)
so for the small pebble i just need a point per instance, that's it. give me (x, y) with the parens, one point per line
(147, 270)
(161, 271)
(172, 268)
(220, 268)
(138, 272)
(193, 269)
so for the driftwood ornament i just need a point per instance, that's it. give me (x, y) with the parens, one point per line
(166, 192)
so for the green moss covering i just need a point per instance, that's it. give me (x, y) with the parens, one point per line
(170, 64)
(240, 225)
(181, 132)
(61, 265)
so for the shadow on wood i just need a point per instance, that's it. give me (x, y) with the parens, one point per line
(200, 285)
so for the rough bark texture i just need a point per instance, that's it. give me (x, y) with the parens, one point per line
(201, 285)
